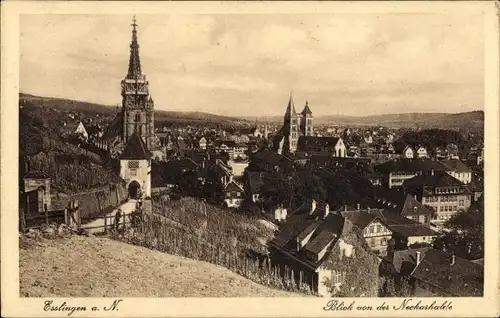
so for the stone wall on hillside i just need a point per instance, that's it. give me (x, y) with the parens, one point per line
(97, 201)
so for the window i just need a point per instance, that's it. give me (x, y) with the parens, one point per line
(373, 241)
(228, 194)
(461, 203)
(383, 241)
(133, 172)
(238, 194)
(133, 164)
(337, 277)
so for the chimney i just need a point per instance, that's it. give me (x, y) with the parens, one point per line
(327, 209)
(313, 206)
(357, 206)
(418, 257)
(452, 259)
(432, 172)
(345, 207)
(298, 244)
(368, 210)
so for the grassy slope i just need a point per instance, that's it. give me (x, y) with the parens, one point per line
(99, 267)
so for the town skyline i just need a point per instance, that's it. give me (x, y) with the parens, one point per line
(219, 64)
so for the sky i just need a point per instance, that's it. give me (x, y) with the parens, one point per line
(247, 65)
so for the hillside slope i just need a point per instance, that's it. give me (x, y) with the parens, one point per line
(160, 115)
(473, 119)
(99, 267)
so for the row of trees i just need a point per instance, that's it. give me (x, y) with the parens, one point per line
(337, 186)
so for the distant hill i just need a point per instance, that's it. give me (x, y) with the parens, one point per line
(160, 115)
(473, 120)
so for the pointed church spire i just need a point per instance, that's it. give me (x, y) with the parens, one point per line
(134, 65)
(290, 109)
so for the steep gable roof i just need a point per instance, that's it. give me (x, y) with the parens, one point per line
(322, 231)
(233, 187)
(115, 128)
(306, 110)
(414, 207)
(290, 109)
(135, 149)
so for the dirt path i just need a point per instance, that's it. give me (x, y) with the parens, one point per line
(99, 267)
(97, 225)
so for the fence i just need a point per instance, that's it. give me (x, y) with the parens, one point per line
(157, 232)
(69, 216)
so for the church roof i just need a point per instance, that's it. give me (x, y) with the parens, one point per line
(136, 149)
(290, 109)
(306, 110)
(115, 128)
(134, 65)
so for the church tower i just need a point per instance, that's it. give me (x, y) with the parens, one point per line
(137, 105)
(291, 127)
(306, 121)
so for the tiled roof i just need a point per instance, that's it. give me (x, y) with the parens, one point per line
(412, 230)
(437, 179)
(317, 244)
(362, 218)
(115, 128)
(135, 149)
(463, 278)
(456, 166)
(414, 207)
(324, 230)
(313, 142)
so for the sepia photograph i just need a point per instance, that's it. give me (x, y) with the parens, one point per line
(334, 155)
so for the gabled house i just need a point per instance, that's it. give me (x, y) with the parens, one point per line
(233, 195)
(458, 170)
(313, 145)
(452, 151)
(408, 152)
(375, 231)
(202, 143)
(444, 193)
(416, 211)
(36, 192)
(317, 247)
(397, 171)
(422, 152)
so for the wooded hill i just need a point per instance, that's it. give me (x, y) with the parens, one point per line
(161, 117)
(471, 120)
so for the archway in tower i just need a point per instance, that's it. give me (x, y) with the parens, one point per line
(134, 190)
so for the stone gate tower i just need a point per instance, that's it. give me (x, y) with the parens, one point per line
(137, 105)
